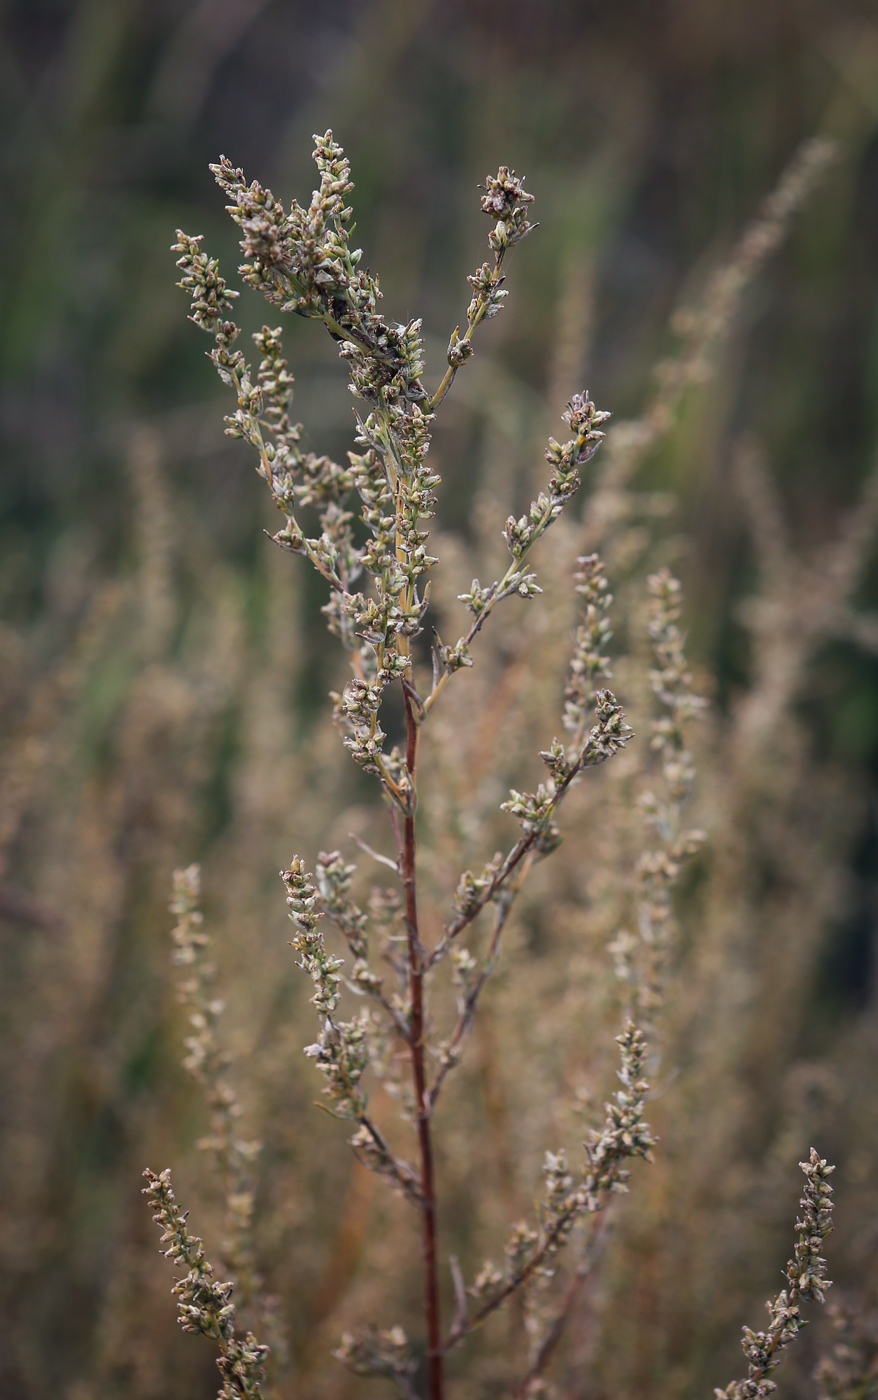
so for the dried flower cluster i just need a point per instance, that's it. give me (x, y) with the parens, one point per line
(204, 1304)
(806, 1278)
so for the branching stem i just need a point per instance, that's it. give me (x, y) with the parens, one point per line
(471, 1001)
(571, 1293)
(463, 1327)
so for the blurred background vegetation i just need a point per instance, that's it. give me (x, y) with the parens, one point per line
(164, 671)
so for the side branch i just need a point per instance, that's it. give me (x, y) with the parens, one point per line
(592, 1250)
(505, 200)
(370, 1148)
(521, 535)
(452, 1051)
(608, 736)
(625, 1135)
(553, 1237)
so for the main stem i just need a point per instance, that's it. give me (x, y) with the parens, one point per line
(416, 984)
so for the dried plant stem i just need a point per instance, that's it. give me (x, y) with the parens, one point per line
(425, 1145)
(301, 260)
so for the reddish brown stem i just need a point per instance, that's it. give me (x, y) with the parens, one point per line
(416, 988)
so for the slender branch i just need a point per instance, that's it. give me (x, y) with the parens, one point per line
(376, 855)
(401, 1172)
(593, 1247)
(451, 372)
(511, 579)
(467, 1016)
(598, 747)
(463, 1326)
(466, 917)
(416, 991)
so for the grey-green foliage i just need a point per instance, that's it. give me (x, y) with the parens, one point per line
(372, 552)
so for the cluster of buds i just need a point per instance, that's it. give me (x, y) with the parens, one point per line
(314, 959)
(487, 1280)
(521, 534)
(607, 737)
(626, 1133)
(506, 200)
(341, 1053)
(806, 1272)
(465, 972)
(471, 888)
(452, 658)
(519, 1248)
(204, 1305)
(477, 599)
(343, 1050)
(211, 299)
(806, 1277)
(533, 809)
(671, 682)
(300, 259)
(556, 1216)
(488, 297)
(333, 876)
